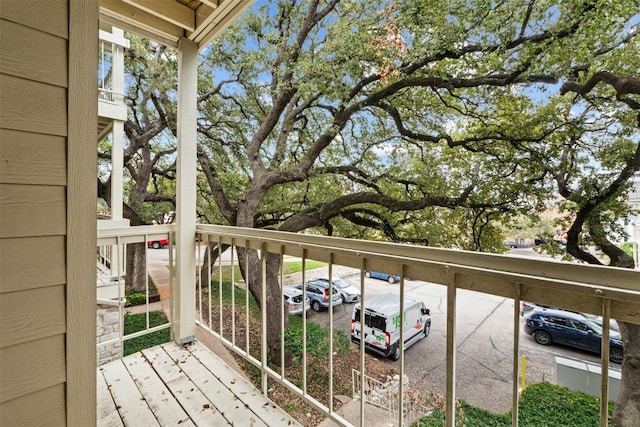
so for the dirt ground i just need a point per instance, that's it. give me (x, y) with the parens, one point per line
(317, 384)
(317, 369)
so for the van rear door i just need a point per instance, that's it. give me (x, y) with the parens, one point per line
(374, 331)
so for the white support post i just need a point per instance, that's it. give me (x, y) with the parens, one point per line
(117, 190)
(117, 150)
(117, 132)
(117, 169)
(185, 291)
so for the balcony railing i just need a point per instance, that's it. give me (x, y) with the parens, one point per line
(114, 246)
(226, 315)
(111, 59)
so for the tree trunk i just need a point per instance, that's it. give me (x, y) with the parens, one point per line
(136, 266)
(627, 411)
(251, 267)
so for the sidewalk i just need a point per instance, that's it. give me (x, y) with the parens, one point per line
(159, 272)
(162, 305)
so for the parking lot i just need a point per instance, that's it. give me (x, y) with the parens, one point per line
(484, 343)
(484, 340)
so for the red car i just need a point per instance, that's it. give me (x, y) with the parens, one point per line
(157, 244)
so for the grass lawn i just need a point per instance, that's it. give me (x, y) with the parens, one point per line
(137, 322)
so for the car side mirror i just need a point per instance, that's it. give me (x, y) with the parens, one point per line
(426, 311)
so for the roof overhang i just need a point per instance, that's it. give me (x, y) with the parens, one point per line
(167, 21)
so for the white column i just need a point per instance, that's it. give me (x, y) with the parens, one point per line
(184, 291)
(117, 132)
(117, 169)
(117, 153)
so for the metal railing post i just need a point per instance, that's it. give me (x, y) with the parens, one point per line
(515, 355)
(604, 361)
(450, 413)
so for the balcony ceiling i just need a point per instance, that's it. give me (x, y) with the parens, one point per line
(167, 21)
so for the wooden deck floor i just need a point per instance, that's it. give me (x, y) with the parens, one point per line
(169, 385)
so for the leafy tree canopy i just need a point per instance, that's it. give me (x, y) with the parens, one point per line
(416, 121)
(368, 120)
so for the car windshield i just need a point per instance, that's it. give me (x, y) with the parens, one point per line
(341, 283)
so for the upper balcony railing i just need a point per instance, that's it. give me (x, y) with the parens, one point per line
(111, 65)
(105, 83)
(111, 106)
(227, 315)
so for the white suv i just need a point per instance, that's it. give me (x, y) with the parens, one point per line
(348, 292)
(293, 300)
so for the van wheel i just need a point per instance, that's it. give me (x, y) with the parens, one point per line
(395, 354)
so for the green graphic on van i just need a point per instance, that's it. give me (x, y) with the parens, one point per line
(396, 321)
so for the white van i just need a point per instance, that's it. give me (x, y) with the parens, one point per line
(382, 324)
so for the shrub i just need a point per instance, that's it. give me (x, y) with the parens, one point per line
(467, 416)
(317, 340)
(552, 405)
(136, 298)
(541, 404)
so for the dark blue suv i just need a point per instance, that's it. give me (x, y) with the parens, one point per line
(549, 326)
